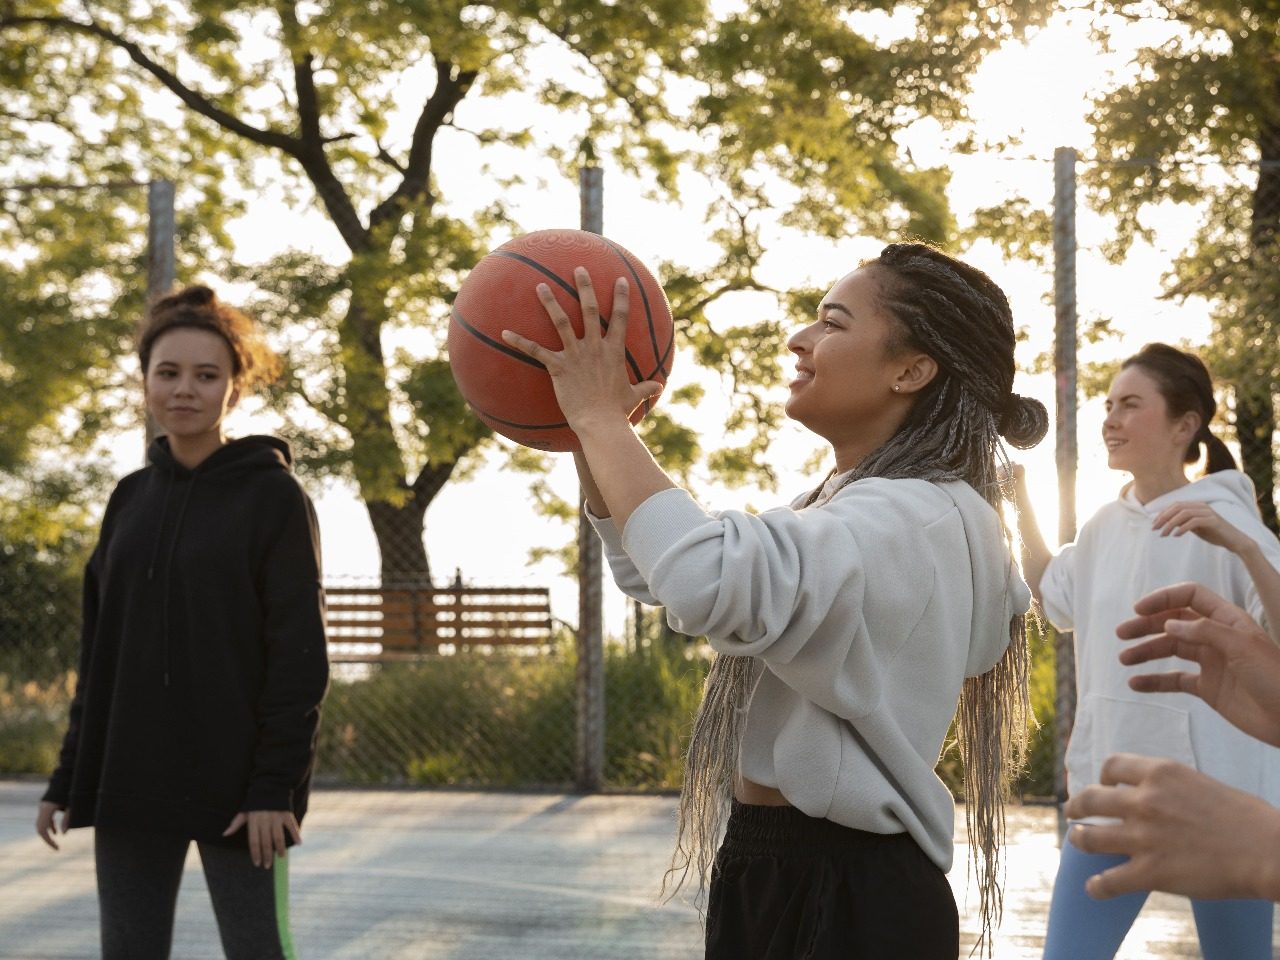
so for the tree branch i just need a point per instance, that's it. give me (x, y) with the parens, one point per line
(310, 145)
(450, 90)
(430, 481)
(196, 101)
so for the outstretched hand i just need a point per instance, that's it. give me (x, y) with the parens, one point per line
(1239, 664)
(589, 372)
(1183, 832)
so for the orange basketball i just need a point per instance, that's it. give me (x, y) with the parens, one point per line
(511, 392)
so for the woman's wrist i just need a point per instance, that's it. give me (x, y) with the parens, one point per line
(1248, 551)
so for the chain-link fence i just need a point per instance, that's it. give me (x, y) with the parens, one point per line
(505, 714)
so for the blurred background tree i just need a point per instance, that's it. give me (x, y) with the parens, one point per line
(790, 109)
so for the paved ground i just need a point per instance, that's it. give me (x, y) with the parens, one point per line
(483, 876)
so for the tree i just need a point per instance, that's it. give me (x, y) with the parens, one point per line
(351, 107)
(1199, 122)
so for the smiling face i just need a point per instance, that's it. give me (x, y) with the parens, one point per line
(189, 383)
(1139, 434)
(847, 369)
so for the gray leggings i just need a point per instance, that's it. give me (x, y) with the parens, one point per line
(138, 878)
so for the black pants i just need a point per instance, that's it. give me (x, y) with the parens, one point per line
(138, 878)
(788, 886)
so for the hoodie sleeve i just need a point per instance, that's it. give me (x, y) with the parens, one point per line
(790, 586)
(624, 571)
(59, 791)
(297, 663)
(1058, 589)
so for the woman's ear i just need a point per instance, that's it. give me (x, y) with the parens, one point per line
(918, 373)
(233, 399)
(1188, 426)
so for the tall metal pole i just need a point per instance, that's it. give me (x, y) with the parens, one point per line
(1064, 363)
(160, 254)
(590, 672)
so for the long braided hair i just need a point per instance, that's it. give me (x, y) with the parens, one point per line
(958, 316)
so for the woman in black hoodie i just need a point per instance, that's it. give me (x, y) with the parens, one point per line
(202, 662)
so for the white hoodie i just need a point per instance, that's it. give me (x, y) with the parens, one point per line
(868, 611)
(1091, 586)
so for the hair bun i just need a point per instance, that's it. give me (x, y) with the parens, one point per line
(1024, 421)
(197, 295)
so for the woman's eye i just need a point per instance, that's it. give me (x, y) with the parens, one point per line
(828, 325)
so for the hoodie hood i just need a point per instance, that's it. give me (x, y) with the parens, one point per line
(995, 580)
(232, 460)
(1224, 489)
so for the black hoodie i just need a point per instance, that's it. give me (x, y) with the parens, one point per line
(202, 661)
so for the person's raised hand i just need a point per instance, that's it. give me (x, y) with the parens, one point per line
(589, 373)
(1182, 831)
(1239, 672)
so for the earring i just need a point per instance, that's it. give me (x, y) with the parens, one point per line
(896, 388)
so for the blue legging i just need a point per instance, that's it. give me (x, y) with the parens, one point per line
(1082, 928)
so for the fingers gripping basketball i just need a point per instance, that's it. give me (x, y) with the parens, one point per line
(512, 392)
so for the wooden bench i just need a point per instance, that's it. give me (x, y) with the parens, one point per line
(408, 622)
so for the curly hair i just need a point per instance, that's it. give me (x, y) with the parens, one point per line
(198, 308)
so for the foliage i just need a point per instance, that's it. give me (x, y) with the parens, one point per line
(500, 720)
(1195, 121)
(790, 108)
(33, 719)
(1035, 781)
(1210, 88)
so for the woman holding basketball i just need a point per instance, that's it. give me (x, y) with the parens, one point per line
(1159, 408)
(203, 661)
(848, 625)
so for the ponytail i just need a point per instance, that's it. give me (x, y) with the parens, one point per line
(1217, 456)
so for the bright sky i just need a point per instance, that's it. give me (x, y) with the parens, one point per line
(1036, 91)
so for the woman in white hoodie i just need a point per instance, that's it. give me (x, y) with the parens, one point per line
(1159, 408)
(847, 624)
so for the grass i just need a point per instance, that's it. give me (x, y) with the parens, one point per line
(498, 720)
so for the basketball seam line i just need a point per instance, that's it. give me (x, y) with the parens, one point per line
(497, 345)
(573, 292)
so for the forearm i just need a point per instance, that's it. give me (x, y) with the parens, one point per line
(1035, 552)
(595, 500)
(623, 472)
(1266, 579)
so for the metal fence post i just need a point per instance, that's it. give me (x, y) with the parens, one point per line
(1064, 363)
(590, 713)
(160, 256)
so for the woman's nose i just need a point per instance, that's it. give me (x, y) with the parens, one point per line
(798, 342)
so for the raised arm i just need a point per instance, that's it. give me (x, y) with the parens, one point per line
(595, 499)
(1035, 552)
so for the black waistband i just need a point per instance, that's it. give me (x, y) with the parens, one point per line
(788, 830)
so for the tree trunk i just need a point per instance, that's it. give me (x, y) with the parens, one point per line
(1255, 392)
(399, 531)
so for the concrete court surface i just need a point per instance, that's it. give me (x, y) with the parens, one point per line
(445, 875)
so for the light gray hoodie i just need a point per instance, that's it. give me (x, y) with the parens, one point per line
(867, 610)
